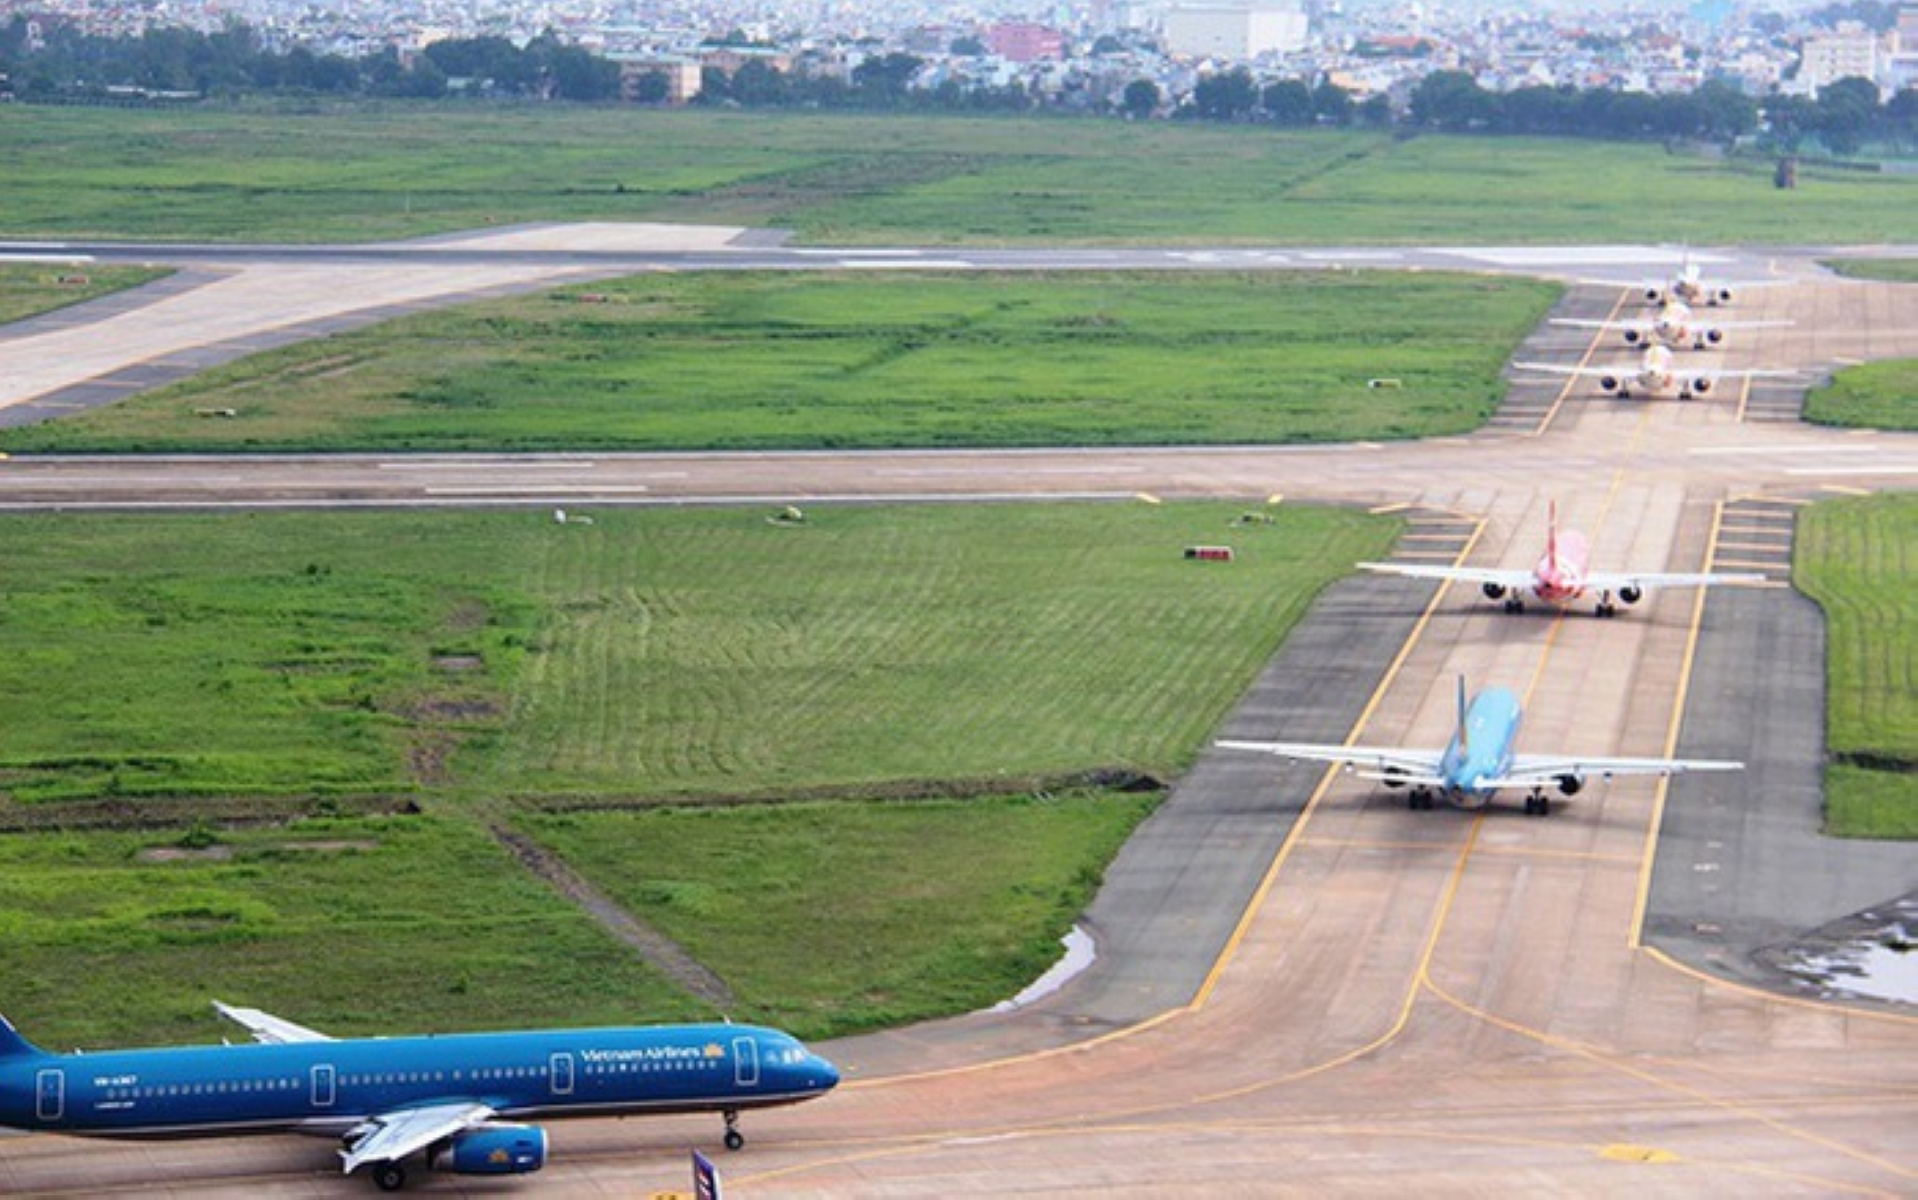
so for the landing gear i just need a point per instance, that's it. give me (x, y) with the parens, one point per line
(389, 1176)
(1536, 805)
(1420, 800)
(1605, 606)
(1514, 605)
(734, 1138)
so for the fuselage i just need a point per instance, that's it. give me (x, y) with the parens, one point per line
(331, 1086)
(1559, 576)
(1481, 751)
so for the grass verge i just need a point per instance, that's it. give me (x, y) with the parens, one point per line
(29, 289)
(1854, 558)
(770, 361)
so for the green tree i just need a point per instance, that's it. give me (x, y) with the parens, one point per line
(1141, 99)
(1288, 102)
(1229, 96)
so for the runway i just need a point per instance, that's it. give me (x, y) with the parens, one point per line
(1439, 1002)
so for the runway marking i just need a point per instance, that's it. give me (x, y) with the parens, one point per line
(441, 464)
(1332, 772)
(1644, 1075)
(1488, 850)
(1712, 451)
(1585, 360)
(538, 489)
(1903, 469)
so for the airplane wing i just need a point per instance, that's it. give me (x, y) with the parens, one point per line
(1612, 581)
(1585, 323)
(394, 1135)
(1579, 372)
(1504, 577)
(1396, 763)
(265, 1027)
(1534, 770)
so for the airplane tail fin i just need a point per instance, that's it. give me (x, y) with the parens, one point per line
(1551, 534)
(12, 1045)
(1464, 736)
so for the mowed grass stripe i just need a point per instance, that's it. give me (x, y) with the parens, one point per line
(1857, 559)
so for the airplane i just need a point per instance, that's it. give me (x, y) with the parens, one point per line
(1690, 286)
(1655, 374)
(1675, 325)
(1562, 575)
(453, 1100)
(1479, 760)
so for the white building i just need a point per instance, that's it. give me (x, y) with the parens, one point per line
(1824, 61)
(1236, 32)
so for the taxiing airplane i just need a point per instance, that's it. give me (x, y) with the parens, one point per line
(1675, 326)
(1479, 760)
(1562, 575)
(452, 1100)
(1656, 374)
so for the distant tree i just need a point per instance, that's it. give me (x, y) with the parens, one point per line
(1105, 44)
(1141, 99)
(1789, 120)
(715, 87)
(1374, 112)
(1846, 111)
(652, 87)
(1540, 110)
(1722, 111)
(1901, 115)
(967, 46)
(885, 81)
(579, 74)
(1453, 100)
(1331, 104)
(1225, 97)
(1287, 102)
(422, 81)
(759, 84)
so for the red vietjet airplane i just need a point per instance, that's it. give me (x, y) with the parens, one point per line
(1654, 375)
(1561, 576)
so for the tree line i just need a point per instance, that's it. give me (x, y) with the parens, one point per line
(67, 63)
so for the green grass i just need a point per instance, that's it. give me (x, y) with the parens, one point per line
(374, 171)
(29, 289)
(1872, 396)
(394, 925)
(652, 653)
(152, 669)
(1856, 558)
(1892, 270)
(836, 918)
(835, 360)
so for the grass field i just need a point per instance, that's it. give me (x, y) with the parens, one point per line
(1855, 557)
(1893, 270)
(852, 360)
(494, 666)
(838, 918)
(1875, 395)
(380, 171)
(29, 289)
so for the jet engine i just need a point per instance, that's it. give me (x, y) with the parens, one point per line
(1714, 336)
(1393, 777)
(493, 1150)
(1606, 383)
(1633, 336)
(1653, 295)
(1701, 385)
(1630, 594)
(1492, 590)
(1570, 785)
(1722, 296)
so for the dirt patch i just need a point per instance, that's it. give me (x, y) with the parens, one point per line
(455, 664)
(157, 854)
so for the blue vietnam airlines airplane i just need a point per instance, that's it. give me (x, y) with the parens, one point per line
(388, 1099)
(1480, 759)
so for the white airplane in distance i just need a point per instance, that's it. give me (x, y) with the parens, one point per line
(1690, 286)
(1479, 760)
(1675, 325)
(1655, 375)
(1562, 576)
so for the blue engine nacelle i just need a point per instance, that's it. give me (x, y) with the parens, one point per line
(494, 1150)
